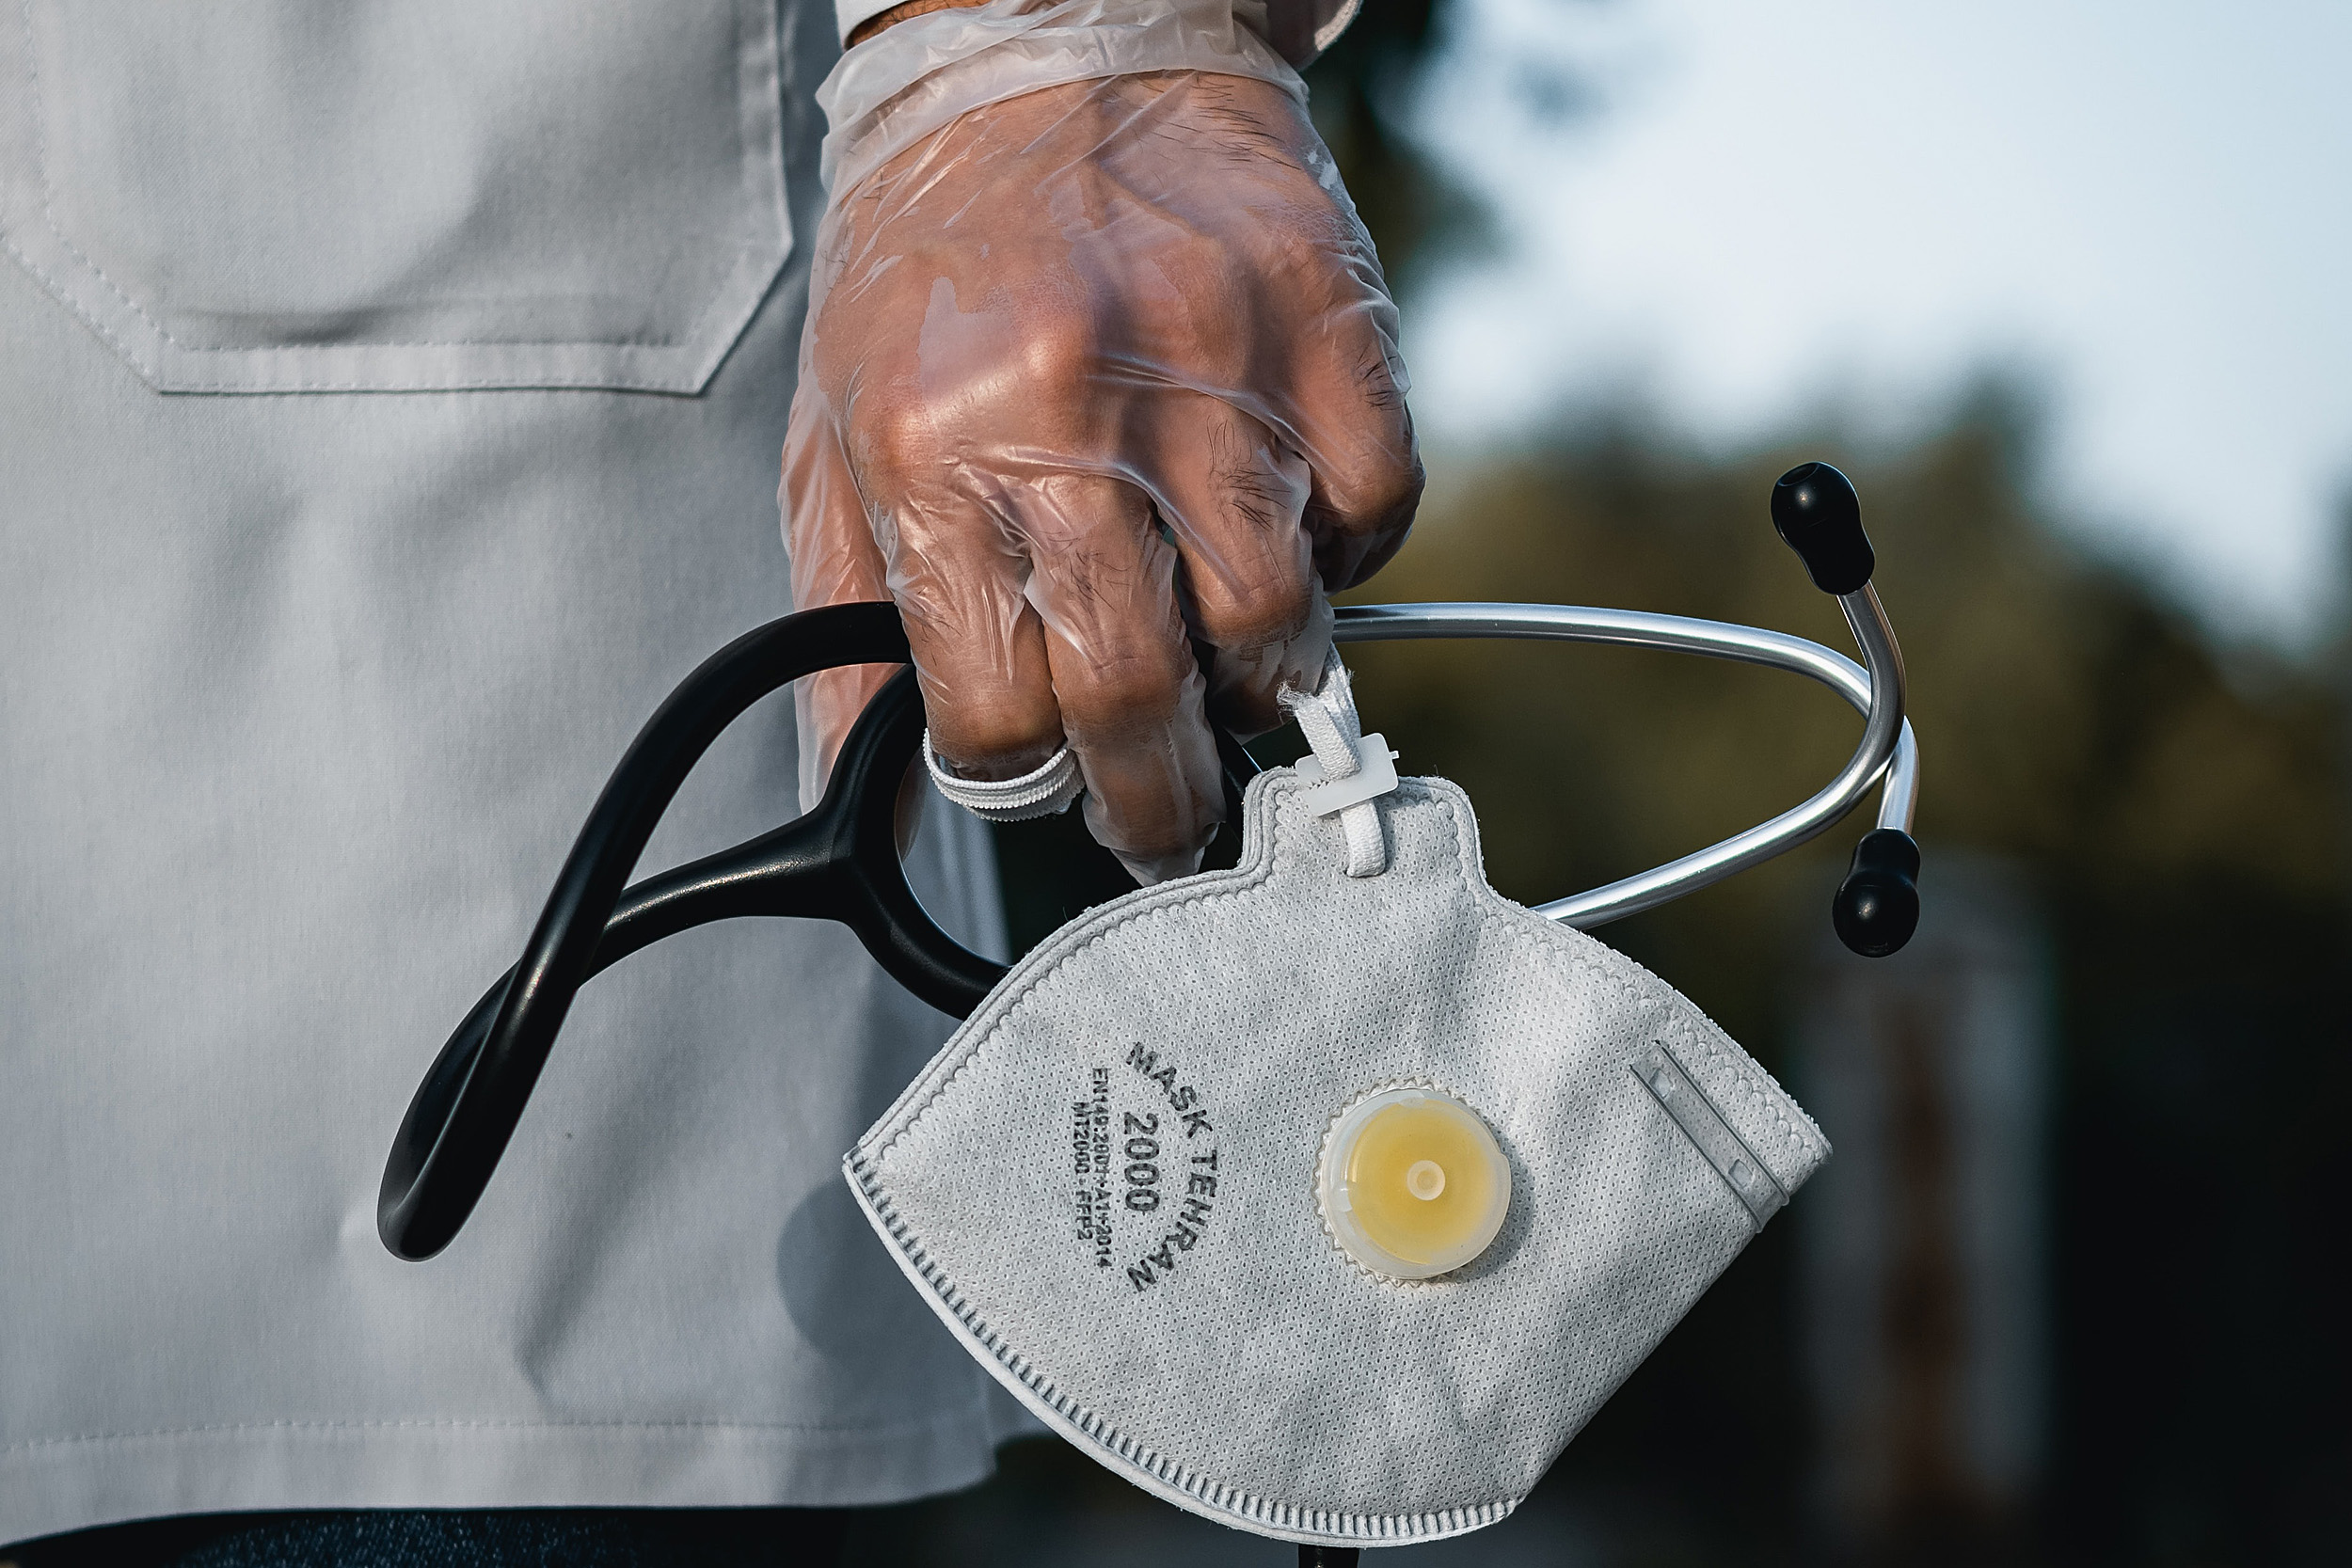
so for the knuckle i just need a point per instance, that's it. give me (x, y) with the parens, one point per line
(900, 439)
(988, 723)
(994, 742)
(1119, 693)
(1263, 613)
(1059, 351)
(1385, 490)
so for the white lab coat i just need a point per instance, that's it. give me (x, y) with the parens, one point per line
(303, 694)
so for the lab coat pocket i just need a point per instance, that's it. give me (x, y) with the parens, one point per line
(282, 196)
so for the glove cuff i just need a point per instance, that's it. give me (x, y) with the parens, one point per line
(916, 76)
(1298, 29)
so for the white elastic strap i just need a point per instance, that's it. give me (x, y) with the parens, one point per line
(1327, 717)
(1044, 791)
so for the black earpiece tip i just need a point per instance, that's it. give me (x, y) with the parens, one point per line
(1819, 515)
(1876, 907)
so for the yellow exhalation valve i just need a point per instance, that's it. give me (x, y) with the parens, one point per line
(1412, 1183)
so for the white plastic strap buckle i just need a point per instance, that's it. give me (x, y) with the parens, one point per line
(1374, 776)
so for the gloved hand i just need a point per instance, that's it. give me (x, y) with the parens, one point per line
(1090, 372)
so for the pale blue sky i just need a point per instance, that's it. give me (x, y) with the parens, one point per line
(1786, 205)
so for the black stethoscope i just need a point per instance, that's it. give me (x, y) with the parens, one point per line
(840, 861)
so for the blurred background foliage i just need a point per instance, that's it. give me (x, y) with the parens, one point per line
(2179, 809)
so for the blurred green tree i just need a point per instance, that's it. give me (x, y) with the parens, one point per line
(1364, 92)
(1361, 92)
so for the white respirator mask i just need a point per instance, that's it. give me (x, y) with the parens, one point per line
(1328, 1195)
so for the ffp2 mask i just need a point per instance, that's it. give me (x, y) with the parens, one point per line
(1114, 1183)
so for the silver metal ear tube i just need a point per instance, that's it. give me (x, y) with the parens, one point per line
(1888, 753)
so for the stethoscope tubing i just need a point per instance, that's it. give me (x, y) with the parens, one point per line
(839, 861)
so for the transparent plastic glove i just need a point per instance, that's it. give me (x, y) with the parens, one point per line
(1092, 373)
